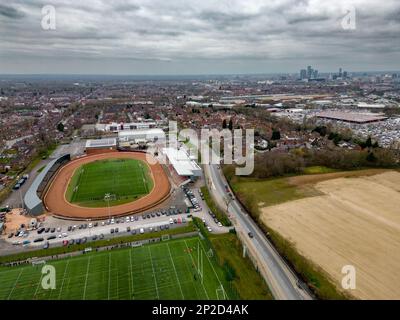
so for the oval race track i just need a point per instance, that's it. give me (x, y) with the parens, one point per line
(56, 203)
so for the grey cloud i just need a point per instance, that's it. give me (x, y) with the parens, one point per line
(232, 32)
(10, 12)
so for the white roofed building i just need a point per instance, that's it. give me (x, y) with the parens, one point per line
(149, 135)
(182, 163)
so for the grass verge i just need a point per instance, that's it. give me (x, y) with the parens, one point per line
(243, 276)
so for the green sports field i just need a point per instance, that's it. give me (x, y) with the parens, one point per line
(165, 270)
(124, 179)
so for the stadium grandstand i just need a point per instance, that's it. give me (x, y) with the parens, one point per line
(33, 197)
(182, 166)
(101, 146)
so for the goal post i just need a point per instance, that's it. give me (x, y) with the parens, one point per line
(38, 262)
(220, 292)
(165, 237)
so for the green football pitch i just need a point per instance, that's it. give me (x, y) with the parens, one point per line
(124, 179)
(165, 270)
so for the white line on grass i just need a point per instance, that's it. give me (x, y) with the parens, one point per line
(62, 283)
(213, 269)
(208, 298)
(109, 274)
(130, 266)
(15, 284)
(37, 288)
(87, 274)
(177, 278)
(154, 274)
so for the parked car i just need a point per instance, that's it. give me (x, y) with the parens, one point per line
(38, 240)
(46, 245)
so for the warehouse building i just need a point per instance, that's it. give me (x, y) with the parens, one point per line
(140, 136)
(117, 127)
(351, 117)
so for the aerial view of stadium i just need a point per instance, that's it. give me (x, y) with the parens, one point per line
(199, 158)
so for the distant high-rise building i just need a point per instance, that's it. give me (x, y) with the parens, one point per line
(344, 74)
(340, 72)
(315, 74)
(303, 74)
(309, 72)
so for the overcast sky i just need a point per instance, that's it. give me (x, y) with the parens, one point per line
(199, 36)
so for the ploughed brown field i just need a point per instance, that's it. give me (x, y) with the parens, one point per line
(355, 221)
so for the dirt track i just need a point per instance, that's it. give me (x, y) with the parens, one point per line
(56, 203)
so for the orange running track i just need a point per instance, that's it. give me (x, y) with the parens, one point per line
(56, 203)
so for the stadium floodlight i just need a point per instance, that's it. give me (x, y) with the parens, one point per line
(107, 198)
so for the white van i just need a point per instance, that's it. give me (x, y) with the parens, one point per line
(141, 231)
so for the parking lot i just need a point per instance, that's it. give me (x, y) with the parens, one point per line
(201, 210)
(57, 232)
(49, 234)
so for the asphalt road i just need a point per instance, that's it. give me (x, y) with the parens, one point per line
(282, 281)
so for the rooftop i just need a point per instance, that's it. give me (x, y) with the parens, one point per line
(181, 161)
(351, 116)
(101, 143)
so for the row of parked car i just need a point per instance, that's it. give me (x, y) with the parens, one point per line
(195, 203)
(214, 218)
(167, 212)
(21, 181)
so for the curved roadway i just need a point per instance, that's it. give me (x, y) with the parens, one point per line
(282, 281)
